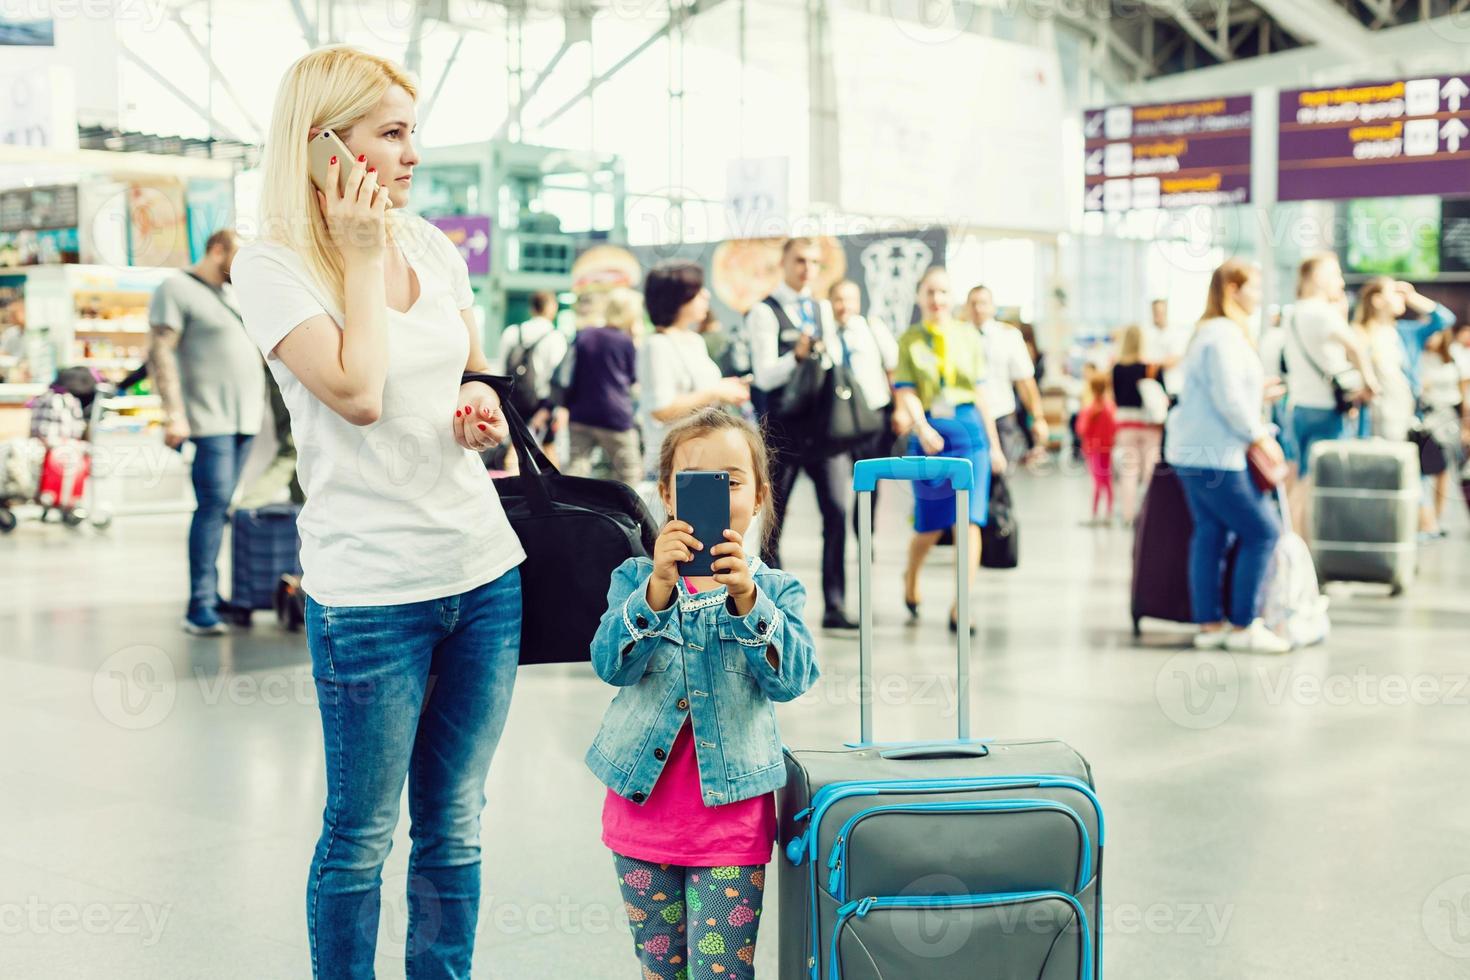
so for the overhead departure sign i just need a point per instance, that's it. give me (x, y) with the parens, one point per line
(1172, 155)
(1386, 139)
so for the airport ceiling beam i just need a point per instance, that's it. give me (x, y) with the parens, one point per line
(695, 9)
(1321, 22)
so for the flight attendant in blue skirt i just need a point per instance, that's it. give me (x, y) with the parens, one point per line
(940, 380)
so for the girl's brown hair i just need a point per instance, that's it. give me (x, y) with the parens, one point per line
(1234, 272)
(1100, 385)
(706, 422)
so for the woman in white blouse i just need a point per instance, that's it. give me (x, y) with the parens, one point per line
(675, 374)
(410, 566)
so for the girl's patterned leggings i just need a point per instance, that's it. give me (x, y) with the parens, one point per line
(693, 923)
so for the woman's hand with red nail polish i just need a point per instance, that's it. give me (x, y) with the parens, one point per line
(479, 425)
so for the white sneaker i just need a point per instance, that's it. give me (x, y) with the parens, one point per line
(1256, 638)
(1211, 639)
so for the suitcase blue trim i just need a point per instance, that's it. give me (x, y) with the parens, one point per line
(862, 907)
(837, 881)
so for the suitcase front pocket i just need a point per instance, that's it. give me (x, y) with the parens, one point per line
(993, 846)
(1028, 934)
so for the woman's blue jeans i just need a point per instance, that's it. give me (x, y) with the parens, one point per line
(418, 692)
(1226, 507)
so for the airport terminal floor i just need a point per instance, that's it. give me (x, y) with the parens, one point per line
(1292, 816)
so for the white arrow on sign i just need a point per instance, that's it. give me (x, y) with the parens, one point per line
(1456, 91)
(477, 243)
(1453, 132)
(1095, 198)
(1094, 126)
(1094, 163)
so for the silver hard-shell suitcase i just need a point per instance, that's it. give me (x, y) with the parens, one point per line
(1365, 511)
(964, 858)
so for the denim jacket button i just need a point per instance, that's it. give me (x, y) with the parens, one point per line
(659, 754)
(641, 622)
(683, 704)
(638, 797)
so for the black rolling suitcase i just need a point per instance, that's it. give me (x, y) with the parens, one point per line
(1161, 536)
(939, 860)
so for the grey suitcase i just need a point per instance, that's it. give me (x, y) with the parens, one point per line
(1365, 511)
(922, 861)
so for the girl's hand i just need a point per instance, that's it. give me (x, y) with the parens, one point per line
(676, 543)
(355, 217)
(998, 461)
(930, 440)
(732, 570)
(479, 423)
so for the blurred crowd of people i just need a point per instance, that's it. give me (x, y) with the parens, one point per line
(828, 384)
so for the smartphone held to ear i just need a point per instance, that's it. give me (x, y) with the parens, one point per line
(702, 500)
(319, 156)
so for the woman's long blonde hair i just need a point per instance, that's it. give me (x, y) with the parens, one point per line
(1130, 344)
(1372, 289)
(332, 88)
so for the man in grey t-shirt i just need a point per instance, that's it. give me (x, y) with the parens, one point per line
(208, 373)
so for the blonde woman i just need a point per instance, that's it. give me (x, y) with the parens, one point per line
(1140, 437)
(1220, 416)
(411, 569)
(597, 380)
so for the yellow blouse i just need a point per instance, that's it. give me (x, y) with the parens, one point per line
(947, 354)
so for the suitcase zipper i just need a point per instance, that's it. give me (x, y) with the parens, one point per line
(862, 907)
(831, 793)
(837, 881)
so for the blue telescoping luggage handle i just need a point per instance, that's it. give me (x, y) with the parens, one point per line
(959, 472)
(961, 476)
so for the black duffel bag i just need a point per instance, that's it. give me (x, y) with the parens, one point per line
(1000, 538)
(575, 533)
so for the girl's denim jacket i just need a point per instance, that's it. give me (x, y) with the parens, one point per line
(699, 659)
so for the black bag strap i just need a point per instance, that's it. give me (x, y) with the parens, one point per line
(535, 467)
(218, 294)
(1296, 336)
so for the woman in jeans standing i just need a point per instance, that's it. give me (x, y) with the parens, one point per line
(1218, 419)
(410, 566)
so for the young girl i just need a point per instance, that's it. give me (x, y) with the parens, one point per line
(1098, 428)
(689, 748)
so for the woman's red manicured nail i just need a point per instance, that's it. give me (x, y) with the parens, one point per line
(372, 170)
(362, 158)
(467, 410)
(334, 159)
(457, 413)
(483, 426)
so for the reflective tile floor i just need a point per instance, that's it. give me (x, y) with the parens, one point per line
(1298, 817)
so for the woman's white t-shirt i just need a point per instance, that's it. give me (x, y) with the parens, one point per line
(396, 511)
(671, 363)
